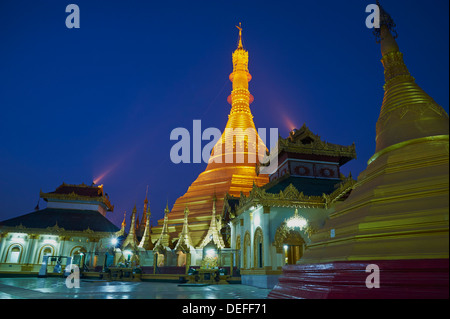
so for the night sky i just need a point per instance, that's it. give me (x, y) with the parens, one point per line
(101, 101)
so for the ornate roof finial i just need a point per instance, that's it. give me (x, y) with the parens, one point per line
(386, 20)
(213, 231)
(146, 193)
(121, 232)
(124, 223)
(240, 46)
(146, 240)
(166, 210)
(131, 240)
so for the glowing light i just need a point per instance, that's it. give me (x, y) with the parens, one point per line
(211, 252)
(127, 253)
(257, 219)
(296, 221)
(99, 178)
(114, 241)
(288, 122)
(120, 160)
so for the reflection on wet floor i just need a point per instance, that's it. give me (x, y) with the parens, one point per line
(55, 288)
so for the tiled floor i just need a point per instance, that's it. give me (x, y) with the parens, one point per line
(55, 288)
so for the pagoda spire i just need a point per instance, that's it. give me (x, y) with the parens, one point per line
(184, 242)
(142, 225)
(121, 232)
(164, 238)
(124, 223)
(131, 240)
(240, 46)
(407, 112)
(213, 233)
(145, 204)
(146, 241)
(232, 164)
(240, 120)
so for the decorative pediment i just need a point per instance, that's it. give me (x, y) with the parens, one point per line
(20, 227)
(289, 197)
(88, 230)
(56, 228)
(290, 192)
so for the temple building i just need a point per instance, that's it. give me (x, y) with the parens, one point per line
(272, 225)
(72, 228)
(396, 217)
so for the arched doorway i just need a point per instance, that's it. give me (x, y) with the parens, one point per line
(14, 254)
(258, 257)
(289, 242)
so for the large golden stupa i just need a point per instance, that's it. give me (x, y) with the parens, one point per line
(397, 216)
(231, 167)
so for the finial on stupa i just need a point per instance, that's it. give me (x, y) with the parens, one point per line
(240, 46)
(124, 223)
(387, 21)
(146, 194)
(166, 210)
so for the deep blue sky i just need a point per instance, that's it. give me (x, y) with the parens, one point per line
(76, 103)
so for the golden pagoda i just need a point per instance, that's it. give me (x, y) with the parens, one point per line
(184, 243)
(130, 241)
(396, 218)
(223, 176)
(146, 240)
(143, 224)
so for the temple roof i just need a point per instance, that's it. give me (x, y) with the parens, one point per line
(82, 189)
(81, 192)
(303, 141)
(69, 219)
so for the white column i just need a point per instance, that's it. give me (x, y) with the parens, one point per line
(29, 252)
(2, 245)
(33, 252)
(265, 219)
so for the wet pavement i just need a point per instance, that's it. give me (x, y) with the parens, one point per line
(55, 288)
